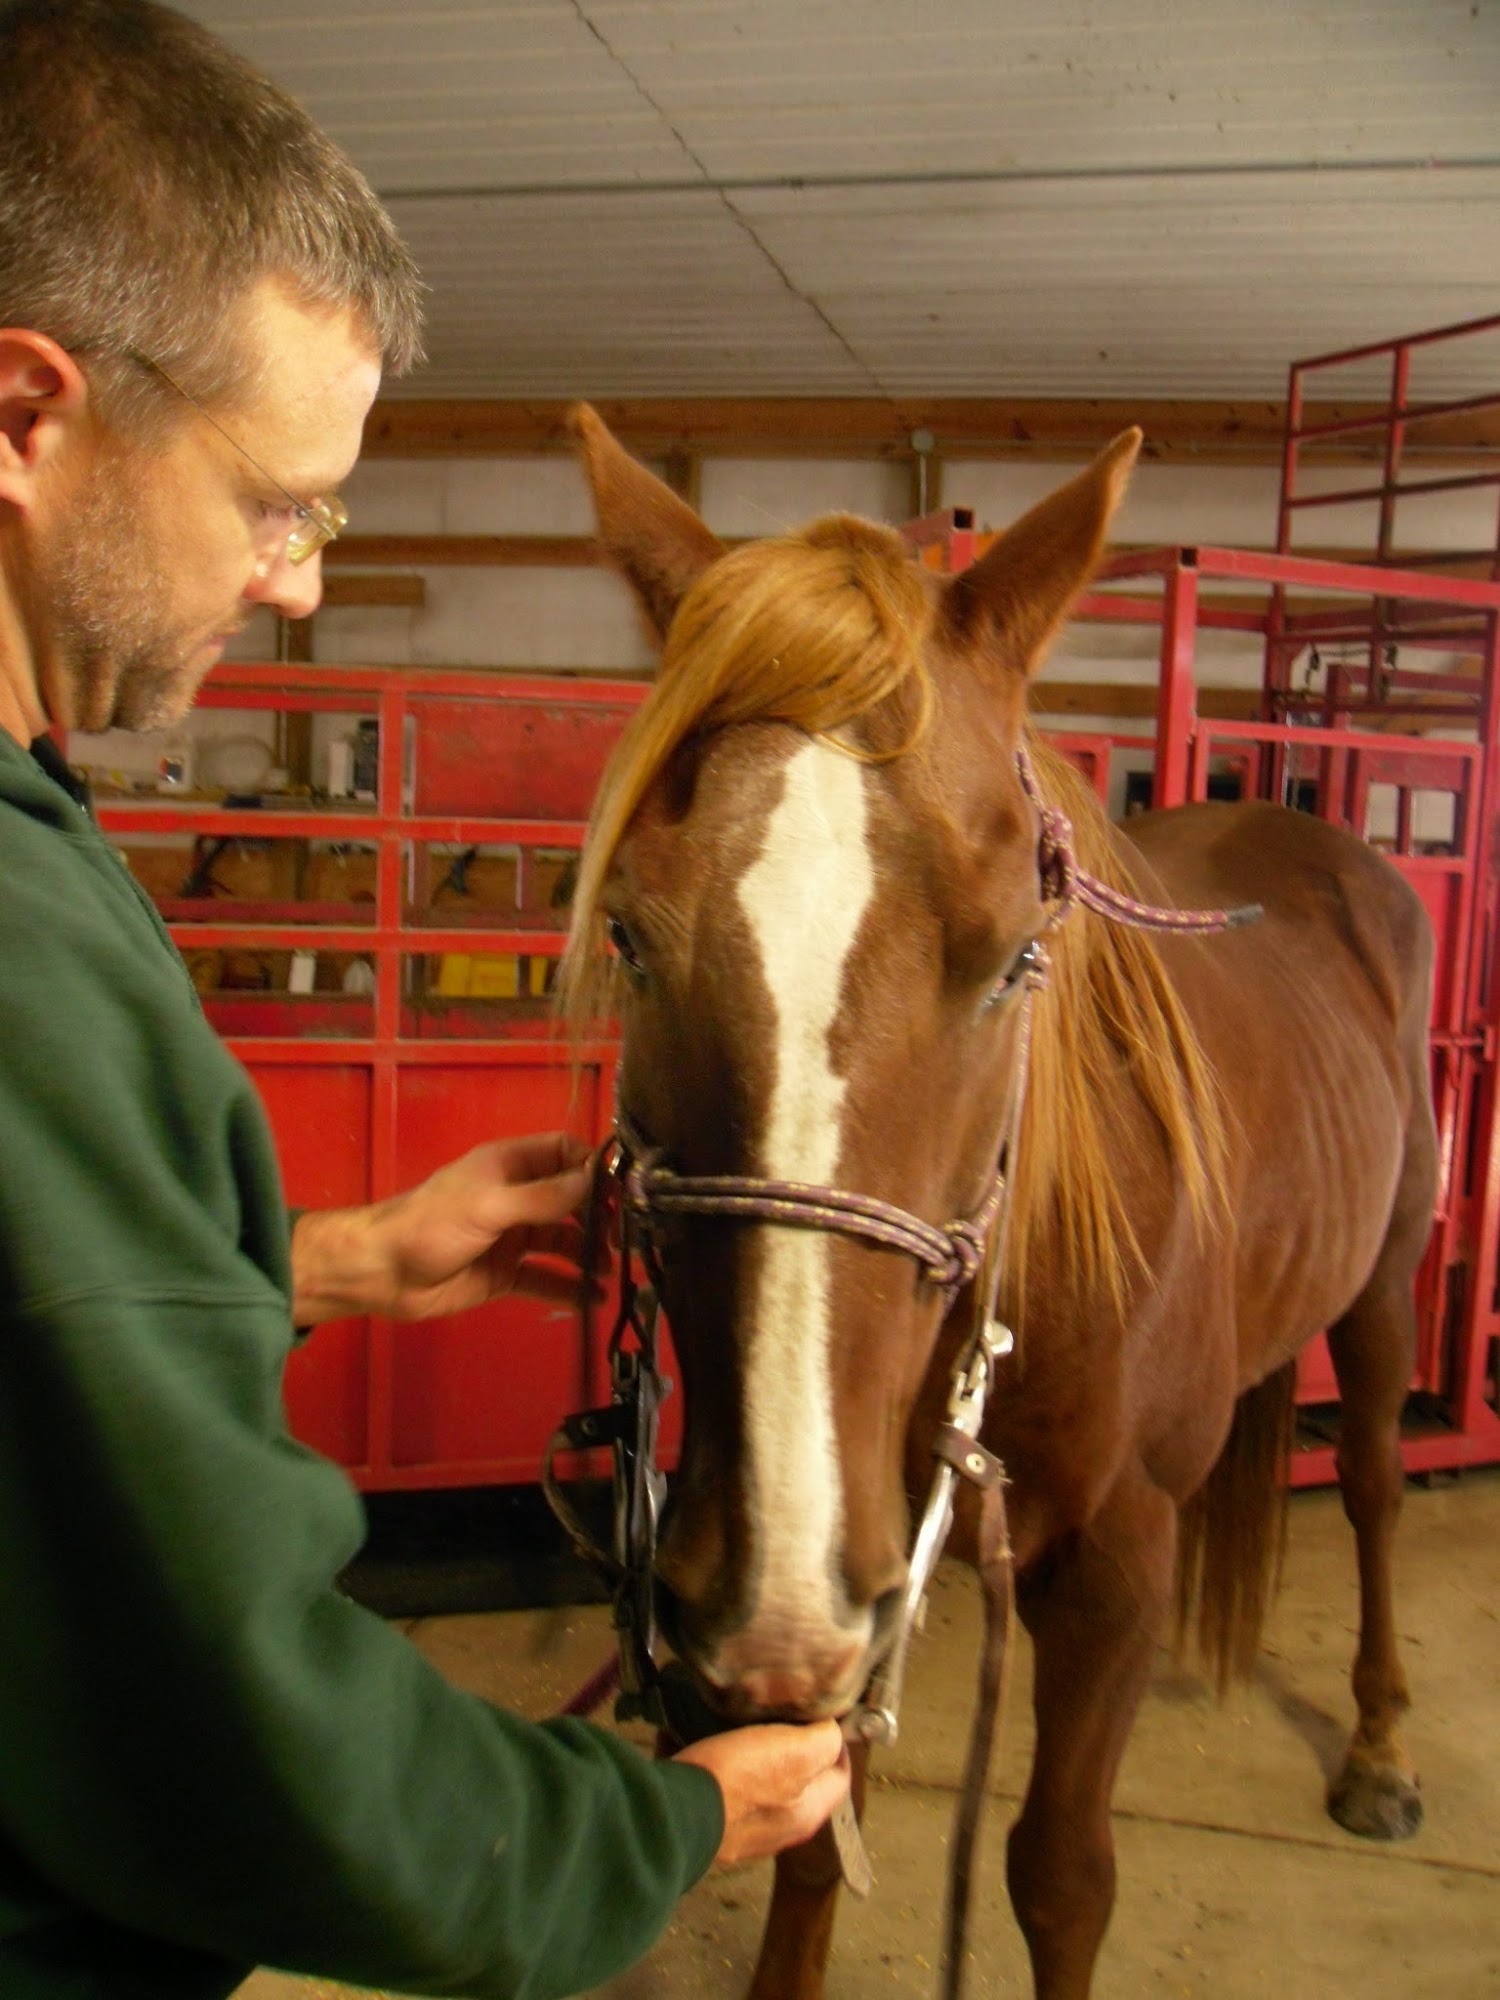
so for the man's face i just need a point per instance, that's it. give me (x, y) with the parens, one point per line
(148, 561)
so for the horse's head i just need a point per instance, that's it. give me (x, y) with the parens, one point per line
(818, 868)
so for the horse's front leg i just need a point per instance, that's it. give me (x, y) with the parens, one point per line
(1096, 1608)
(799, 1924)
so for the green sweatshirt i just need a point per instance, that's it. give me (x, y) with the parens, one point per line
(209, 1759)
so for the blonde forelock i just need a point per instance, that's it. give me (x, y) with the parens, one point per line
(818, 630)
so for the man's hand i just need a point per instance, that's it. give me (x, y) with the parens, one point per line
(780, 1783)
(503, 1218)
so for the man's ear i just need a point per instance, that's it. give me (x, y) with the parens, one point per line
(42, 389)
(651, 535)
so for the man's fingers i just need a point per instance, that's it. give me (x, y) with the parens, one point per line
(537, 1280)
(540, 1156)
(780, 1783)
(790, 1825)
(796, 1753)
(553, 1239)
(536, 1202)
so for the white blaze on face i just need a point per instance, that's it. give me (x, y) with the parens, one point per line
(805, 897)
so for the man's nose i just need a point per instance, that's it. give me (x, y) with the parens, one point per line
(293, 589)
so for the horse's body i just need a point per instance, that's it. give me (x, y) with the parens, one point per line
(820, 866)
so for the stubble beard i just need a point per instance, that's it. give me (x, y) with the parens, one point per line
(126, 663)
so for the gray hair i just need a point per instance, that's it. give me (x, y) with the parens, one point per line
(149, 178)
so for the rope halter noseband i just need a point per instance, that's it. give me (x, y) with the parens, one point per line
(951, 1255)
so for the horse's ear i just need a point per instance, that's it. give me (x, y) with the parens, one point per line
(1013, 599)
(647, 532)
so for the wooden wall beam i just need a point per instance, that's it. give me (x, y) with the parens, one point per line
(1133, 700)
(1206, 433)
(460, 552)
(582, 551)
(408, 592)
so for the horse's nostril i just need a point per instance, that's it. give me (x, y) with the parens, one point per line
(780, 1688)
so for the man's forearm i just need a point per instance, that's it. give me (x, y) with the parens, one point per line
(337, 1266)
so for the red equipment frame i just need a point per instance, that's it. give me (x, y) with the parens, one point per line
(1305, 745)
(368, 1095)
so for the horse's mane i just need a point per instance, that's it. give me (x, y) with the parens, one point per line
(1109, 1006)
(824, 627)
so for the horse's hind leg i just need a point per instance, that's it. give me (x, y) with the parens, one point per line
(1096, 1610)
(1373, 1346)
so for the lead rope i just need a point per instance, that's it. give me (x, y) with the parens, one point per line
(997, 1584)
(1064, 883)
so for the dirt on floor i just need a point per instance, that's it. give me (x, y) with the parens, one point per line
(1233, 1881)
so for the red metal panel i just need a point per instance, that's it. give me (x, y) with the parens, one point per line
(368, 1094)
(486, 1388)
(1177, 708)
(1092, 755)
(320, 1112)
(1459, 1285)
(538, 758)
(1316, 1381)
(321, 1117)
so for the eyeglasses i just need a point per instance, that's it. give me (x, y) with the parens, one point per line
(317, 522)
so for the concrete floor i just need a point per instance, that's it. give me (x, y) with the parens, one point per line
(1233, 1881)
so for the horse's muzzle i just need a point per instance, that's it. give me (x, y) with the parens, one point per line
(780, 1675)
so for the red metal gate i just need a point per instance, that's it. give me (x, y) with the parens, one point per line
(1325, 745)
(453, 1041)
(372, 1081)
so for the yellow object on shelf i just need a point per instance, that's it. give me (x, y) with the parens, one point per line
(492, 976)
(485, 975)
(453, 974)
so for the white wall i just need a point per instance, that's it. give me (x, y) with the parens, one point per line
(582, 618)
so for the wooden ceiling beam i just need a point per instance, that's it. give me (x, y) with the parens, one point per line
(1207, 433)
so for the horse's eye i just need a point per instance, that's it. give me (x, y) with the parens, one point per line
(1013, 980)
(624, 946)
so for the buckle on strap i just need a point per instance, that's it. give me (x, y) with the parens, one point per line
(968, 1457)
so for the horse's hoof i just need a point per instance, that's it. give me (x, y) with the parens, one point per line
(1376, 1801)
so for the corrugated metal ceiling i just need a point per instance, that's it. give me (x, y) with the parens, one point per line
(989, 197)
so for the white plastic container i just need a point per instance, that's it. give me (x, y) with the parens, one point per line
(340, 768)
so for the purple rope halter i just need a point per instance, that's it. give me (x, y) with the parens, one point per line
(1065, 883)
(951, 1255)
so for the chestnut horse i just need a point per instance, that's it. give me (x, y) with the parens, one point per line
(816, 855)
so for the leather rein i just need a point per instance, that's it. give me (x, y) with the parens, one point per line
(652, 1199)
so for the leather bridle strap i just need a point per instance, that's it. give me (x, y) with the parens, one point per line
(996, 1572)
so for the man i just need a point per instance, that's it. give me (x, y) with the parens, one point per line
(208, 1758)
